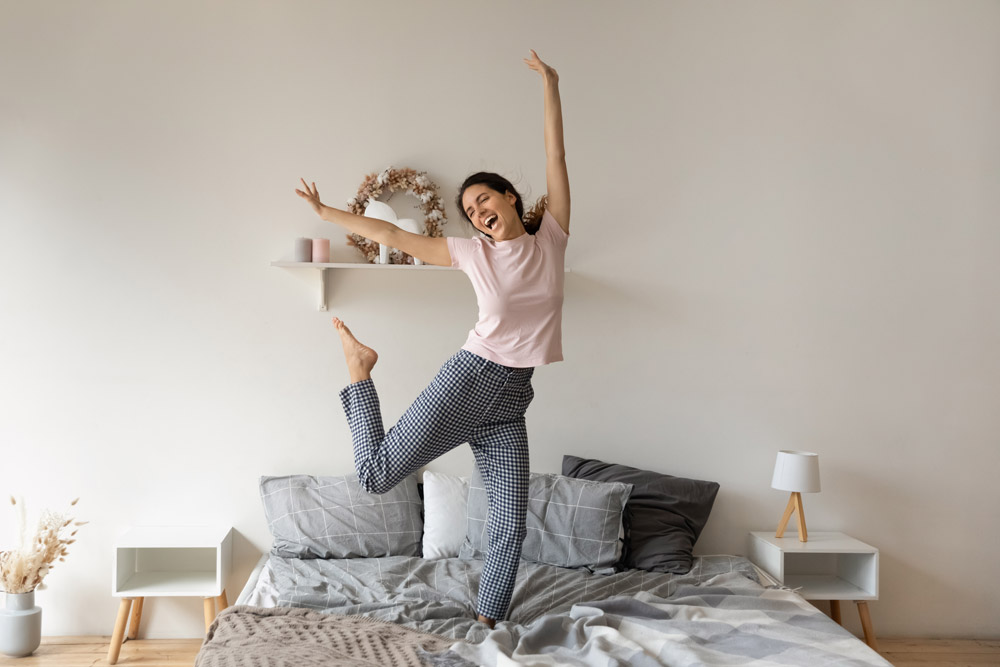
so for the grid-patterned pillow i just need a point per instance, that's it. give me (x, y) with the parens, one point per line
(333, 517)
(570, 522)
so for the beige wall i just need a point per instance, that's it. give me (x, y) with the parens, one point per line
(784, 236)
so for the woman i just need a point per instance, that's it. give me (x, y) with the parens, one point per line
(481, 394)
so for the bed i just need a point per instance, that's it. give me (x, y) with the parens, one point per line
(355, 579)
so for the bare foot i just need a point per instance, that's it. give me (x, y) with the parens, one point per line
(488, 621)
(360, 359)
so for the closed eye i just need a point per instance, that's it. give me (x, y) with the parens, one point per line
(479, 200)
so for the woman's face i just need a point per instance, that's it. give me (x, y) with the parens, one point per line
(492, 213)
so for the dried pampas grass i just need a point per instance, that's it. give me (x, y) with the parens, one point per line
(22, 569)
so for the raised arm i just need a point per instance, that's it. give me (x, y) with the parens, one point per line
(430, 250)
(556, 177)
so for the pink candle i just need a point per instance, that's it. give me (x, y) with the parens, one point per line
(321, 250)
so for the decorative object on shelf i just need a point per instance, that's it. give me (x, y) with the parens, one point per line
(303, 249)
(21, 573)
(381, 211)
(797, 472)
(414, 183)
(321, 250)
(412, 226)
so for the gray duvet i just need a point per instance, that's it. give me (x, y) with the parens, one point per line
(717, 614)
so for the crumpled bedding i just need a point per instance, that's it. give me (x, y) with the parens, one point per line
(717, 614)
(724, 622)
(290, 637)
(439, 596)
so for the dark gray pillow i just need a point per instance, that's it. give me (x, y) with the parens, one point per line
(664, 515)
(333, 517)
(570, 522)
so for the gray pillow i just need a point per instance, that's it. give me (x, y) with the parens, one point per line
(663, 518)
(570, 522)
(333, 517)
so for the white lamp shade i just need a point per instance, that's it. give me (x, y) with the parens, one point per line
(796, 471)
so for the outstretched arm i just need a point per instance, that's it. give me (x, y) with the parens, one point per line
(557, 180)
(430, 250)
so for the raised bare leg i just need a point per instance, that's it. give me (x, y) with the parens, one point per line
(360, 358)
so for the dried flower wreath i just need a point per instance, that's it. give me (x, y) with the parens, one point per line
(414, 183)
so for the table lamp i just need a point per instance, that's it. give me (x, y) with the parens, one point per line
(797, 472)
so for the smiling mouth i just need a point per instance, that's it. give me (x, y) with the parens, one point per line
(490, 221)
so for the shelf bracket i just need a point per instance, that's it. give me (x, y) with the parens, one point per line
(322, 288)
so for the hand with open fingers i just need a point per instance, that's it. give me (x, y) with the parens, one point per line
(311, 195)
(535, 63)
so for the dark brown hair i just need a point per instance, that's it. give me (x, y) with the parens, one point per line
(532, 220)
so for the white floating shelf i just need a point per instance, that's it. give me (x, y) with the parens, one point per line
(323, 266)
(360, 265)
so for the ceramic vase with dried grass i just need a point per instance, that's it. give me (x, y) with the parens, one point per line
(21, 573)
(20, 625)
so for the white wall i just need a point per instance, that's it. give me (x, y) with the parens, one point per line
(784, 236)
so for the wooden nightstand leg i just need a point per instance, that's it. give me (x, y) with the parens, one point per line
(209, 612)
(133, 627)
(835, 611)
(221, 602)
(866, 624)
(119, 634)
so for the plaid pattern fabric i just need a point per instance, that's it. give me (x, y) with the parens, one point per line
(470, 400)
(333, 517)
(570, 522)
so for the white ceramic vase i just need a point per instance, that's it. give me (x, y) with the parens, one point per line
(20, 625)
(412, 226)
(381, 211)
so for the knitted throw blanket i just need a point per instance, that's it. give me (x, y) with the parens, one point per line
(292, 637)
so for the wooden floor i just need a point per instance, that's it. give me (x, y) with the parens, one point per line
(944, 652)
(90, 651)
(87, 651)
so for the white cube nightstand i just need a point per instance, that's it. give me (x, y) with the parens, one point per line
(830, 566)
(190, 561)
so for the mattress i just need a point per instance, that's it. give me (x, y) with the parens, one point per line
(258, 586)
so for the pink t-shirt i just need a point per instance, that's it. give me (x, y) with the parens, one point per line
(519, 286)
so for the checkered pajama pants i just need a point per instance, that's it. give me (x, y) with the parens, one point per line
(471, 400)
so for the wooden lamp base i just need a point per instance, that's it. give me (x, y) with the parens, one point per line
(794, 505)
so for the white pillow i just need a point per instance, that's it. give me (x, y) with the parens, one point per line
(445, 501)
